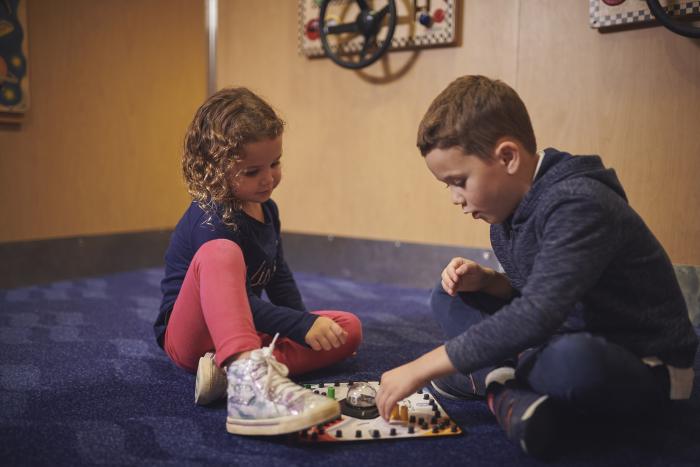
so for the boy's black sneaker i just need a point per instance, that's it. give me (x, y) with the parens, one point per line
(529, 419)
(456, 386)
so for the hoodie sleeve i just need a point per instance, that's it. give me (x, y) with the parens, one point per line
(578, 237)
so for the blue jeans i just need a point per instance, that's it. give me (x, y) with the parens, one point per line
(579, 369)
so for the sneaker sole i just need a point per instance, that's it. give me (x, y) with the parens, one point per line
(202, 395)
(281, 425)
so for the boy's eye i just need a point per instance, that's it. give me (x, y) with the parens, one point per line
(250, 173)
(276, 163)
(458, 183)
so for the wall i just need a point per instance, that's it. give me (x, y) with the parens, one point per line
(351, 167)
(113, 86)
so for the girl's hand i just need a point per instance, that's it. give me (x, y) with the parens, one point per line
(463, 275)
(325, 334)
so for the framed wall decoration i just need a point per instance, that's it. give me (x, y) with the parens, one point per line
(14, 76)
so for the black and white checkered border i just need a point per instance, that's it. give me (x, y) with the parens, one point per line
(637, 16)
(446, 36)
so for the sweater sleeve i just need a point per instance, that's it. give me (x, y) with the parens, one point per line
(282, 289)
(578, 238)
(271, 319)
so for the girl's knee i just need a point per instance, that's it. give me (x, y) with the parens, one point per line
(352, 325)
(221, 252)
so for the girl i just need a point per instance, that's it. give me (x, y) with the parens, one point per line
(224, 252)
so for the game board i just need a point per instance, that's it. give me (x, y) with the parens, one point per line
(418, 416)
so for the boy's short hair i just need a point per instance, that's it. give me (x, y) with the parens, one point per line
(473, 112)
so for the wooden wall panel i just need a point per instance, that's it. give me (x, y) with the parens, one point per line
(633, 97)
(113, 86)
(351, 166)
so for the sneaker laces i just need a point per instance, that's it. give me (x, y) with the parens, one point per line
(277, 372)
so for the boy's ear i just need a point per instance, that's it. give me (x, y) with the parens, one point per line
(508, 154)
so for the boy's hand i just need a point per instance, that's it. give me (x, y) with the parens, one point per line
(463, 275)
(402, 381)
(397, 384)
(325, 334)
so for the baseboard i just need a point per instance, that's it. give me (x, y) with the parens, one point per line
(398, 263)
(43, 261)
(409, 264)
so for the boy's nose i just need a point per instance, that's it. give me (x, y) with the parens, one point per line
(457, 198)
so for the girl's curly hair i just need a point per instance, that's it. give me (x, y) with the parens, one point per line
(222, 126)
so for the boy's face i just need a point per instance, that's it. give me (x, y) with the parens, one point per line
(259, 172)
(485, 188)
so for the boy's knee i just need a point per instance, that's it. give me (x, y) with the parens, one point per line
(439, 300)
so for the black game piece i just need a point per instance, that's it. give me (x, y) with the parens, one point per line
(426, 396)
(435, 429)
(411, 429)
(336, 384)
(412, 419)
(358, 434)
(453, 428)
(421, 421)
(392, 432)
(375, 434)
(433, 420)
(316, 391)
(320, 385)
(338, 433)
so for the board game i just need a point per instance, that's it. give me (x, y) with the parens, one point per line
(418, 416)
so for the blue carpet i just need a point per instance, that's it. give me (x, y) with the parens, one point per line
(82, 382)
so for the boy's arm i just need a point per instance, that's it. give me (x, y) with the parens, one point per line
(402, 381)
(579, 239)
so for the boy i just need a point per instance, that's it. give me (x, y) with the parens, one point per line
(588, 316)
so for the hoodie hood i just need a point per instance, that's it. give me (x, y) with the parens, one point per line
(559, 166)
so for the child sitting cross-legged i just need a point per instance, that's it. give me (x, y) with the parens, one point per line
(225, 251)
(588, 317)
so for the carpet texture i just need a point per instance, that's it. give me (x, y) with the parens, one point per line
(82, 382)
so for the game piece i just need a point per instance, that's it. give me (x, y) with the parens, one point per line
(360, 401)
(394, 412)
(331, 392)
(403, 413)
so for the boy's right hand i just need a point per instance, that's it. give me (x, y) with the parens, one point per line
(463, 275)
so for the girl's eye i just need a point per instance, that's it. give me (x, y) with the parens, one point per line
(276, 164)
(250, 173)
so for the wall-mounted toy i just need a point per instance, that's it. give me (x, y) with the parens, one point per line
(417, 416)
(356, 33)
(673, 14)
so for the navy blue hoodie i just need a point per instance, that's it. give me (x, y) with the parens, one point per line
(580, 259)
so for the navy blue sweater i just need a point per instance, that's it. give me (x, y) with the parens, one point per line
(266, 270)
(580, 259)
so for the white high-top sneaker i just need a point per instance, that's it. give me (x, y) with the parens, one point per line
(263, 401)
(210, 384)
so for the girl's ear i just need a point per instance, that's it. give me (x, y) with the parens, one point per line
(507, 153)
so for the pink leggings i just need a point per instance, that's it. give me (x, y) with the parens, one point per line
(212, 313)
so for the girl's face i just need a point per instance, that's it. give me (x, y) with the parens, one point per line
(254, 177)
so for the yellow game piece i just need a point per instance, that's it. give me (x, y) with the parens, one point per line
(394, 412)
(404, 413)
